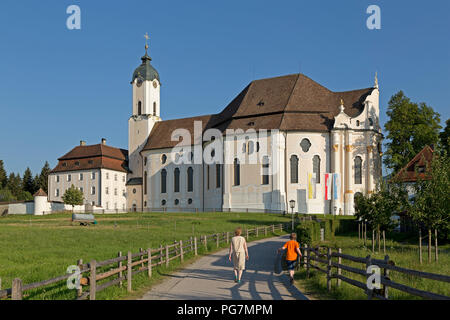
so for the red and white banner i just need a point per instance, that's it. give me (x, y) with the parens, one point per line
(328, 178)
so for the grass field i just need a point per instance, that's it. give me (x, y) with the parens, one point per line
(36, 248)
(403, 251)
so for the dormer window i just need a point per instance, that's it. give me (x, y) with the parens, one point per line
(64, 164)
(421, 169)
(77, 163)
(260, 103)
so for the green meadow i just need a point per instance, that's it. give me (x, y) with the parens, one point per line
(36, 248)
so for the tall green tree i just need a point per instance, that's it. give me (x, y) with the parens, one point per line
(431, 203)
(3, 176)
(410, 127)
(14, 184)
(445, 137)
(73, 197)
(27, 180)
(43, 177)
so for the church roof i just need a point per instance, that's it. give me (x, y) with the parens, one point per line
(96, 156)
(422, 159)
(288, 103)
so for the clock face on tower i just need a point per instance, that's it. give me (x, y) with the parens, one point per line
(155, 84)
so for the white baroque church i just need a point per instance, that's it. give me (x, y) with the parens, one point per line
(283, 143)
(280, 139)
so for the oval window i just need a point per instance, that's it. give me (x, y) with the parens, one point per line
(305, 144)
(189, 201)
(163, 159)
(163, 202)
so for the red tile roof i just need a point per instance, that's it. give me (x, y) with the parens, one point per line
(40, 193)
(292, 102)
(97, 156)
(422, 159)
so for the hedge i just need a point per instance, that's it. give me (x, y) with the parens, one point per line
(309, 231)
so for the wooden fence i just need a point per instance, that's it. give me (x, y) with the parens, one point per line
(97, 276)
(324, 260)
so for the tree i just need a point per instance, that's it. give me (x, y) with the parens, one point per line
(410, 127)
(444, 137)
(6, 195)
(73, 197)
(28, 184)
(431, 203)
(14, 184)
(378, 208)
(3, 176)
(43, 177)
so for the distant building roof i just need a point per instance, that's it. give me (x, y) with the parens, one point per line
(40, 193)
(98, 156)
(421, 162)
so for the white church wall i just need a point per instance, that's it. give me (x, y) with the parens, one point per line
(320, 146)
(113, 189)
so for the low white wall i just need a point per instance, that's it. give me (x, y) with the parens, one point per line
(21, 208)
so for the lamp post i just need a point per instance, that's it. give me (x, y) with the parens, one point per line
(292, 205)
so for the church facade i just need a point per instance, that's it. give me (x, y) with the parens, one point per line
(284, 143)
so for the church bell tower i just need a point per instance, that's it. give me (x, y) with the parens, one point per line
(145, 113)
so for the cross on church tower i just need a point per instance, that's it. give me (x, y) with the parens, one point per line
(146, 36)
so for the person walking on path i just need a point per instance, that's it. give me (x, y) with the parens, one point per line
(292, 248)
(239, 253)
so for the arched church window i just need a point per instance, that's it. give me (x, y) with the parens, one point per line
(370, 121)
(237, 173)
(163, 159)
(176, 180)
(139, 108)
(358, 170)
(145, 182)
(218, 175)
(316, 168)
(265, 170)
(154, 108)
(357, 123)
(294, 169)
(190, 179)
(163, 181)
(305, 144)
(250, 147)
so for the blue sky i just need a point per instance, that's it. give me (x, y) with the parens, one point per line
(60, 86)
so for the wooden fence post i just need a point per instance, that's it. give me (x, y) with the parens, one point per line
(120, 266)
(339, 270)
(217, 240)
(359, 231)
(167, 255)
(257, 232)
(161, 254)
(141, 257)
(192, 244)
(420, 245)
(368, 263)
(195, 245)
(386, 277)
(265, 231)
(206, 243)
(129, 287)
(80, 287)
(373, 240)
(329, 270)
(247, 234)
(16, 290)
(149, 255)
(273, 228)
(307, 261)
(228, 237)
(304, 256)
(181, 251)
(93, 280)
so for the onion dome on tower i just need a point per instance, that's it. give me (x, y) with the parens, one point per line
(146, 71)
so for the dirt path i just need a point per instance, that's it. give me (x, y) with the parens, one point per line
(211, 277)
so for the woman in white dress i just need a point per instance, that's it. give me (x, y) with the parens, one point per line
(239, 253)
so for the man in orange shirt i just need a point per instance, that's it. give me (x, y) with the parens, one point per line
(292, 248)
